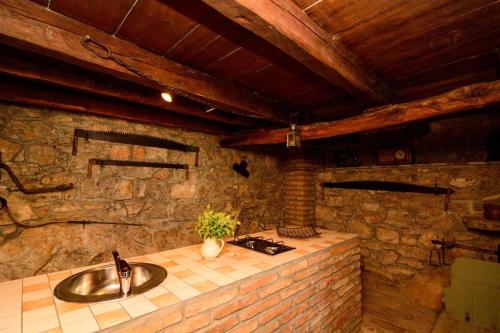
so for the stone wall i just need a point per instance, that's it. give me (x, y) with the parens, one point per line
(396, 228)
(37, 143)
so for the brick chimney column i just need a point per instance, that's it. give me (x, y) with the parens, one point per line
(299, 189)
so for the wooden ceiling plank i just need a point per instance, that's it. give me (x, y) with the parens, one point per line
(57, 98)
(28, 26)
(286, 26)
(104, 15)
(463, 99)
(423, 34)
(157, 25)
(23, 68)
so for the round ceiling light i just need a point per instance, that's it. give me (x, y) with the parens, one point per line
(167, 97)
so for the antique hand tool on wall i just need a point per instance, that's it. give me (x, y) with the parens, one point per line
(48, 189)
(440, 246)
(377, 185)
(132, 139)
(101, 162)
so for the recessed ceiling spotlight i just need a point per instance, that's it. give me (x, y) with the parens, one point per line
(167, 97)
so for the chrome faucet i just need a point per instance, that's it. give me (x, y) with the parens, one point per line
(124, 274)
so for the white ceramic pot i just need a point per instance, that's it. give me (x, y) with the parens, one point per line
(211, 248)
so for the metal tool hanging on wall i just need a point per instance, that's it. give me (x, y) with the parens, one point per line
(132, 139)
(376, 185)
(5, 207)
(48, 189)
(441, 245)
(101, 162)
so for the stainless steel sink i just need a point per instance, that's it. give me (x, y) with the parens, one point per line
(101, 284)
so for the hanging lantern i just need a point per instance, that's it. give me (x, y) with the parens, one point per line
(293, 135)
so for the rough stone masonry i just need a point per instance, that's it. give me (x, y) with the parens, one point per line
(37, 143)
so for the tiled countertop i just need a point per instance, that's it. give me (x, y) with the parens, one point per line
(28, 305)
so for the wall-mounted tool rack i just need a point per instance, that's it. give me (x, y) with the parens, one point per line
(377, 185)
(95, 161)
(48, 189)
(440, 246)
(132, 139)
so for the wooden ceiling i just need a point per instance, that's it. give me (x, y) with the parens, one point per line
(420, 48)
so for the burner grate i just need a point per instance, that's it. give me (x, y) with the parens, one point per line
(259, 244)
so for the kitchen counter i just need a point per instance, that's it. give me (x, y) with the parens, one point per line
(241, 288)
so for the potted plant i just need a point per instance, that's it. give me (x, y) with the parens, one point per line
(212, 228)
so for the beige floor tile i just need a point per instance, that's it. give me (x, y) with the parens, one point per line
(199, 269)
(157, 291)
(37, 303)
(167, 264)
(184, 274)
(85, 326)
(41, 325)
(205, 286)
(111, 318)
(15, 329)
(186, 293)
(41, 313)
(194, 279)
(11, 298)
(75, 316)
(139, 308)
(225, 269)
(262, 265)
(222, 280)
(43, 293)
(10, 321)
(53, 330)
(63, 307)
(36, 287)
(99, 308)
(164, 300)
(238, 275)
(35, 280)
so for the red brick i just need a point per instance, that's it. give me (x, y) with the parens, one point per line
(294, 267)
(190, 324)
(304, 317)
(275, 311)
(318, 258)
(250, 286)
(247, 327)
(275, 287)
(269, 327)
(307, 293)
(295, 288)
(235, 305)
(306, 273)
(209, 301)
(296, 310)
(224, 325)
(256, 308)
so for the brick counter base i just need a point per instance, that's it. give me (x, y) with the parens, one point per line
(320, 292)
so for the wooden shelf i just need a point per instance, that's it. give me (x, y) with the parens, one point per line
(481, 223)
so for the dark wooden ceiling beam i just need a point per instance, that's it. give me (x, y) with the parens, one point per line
(286, 26)
(57, 98)
(463, 99)
(28, 26)
(18, 66)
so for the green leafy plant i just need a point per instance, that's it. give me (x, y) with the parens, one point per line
(217, 225)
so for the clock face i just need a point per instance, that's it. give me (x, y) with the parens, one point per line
(400, 154)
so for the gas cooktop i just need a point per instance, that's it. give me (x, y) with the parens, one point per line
(259, 244)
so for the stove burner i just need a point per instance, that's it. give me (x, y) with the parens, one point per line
(259, 244)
